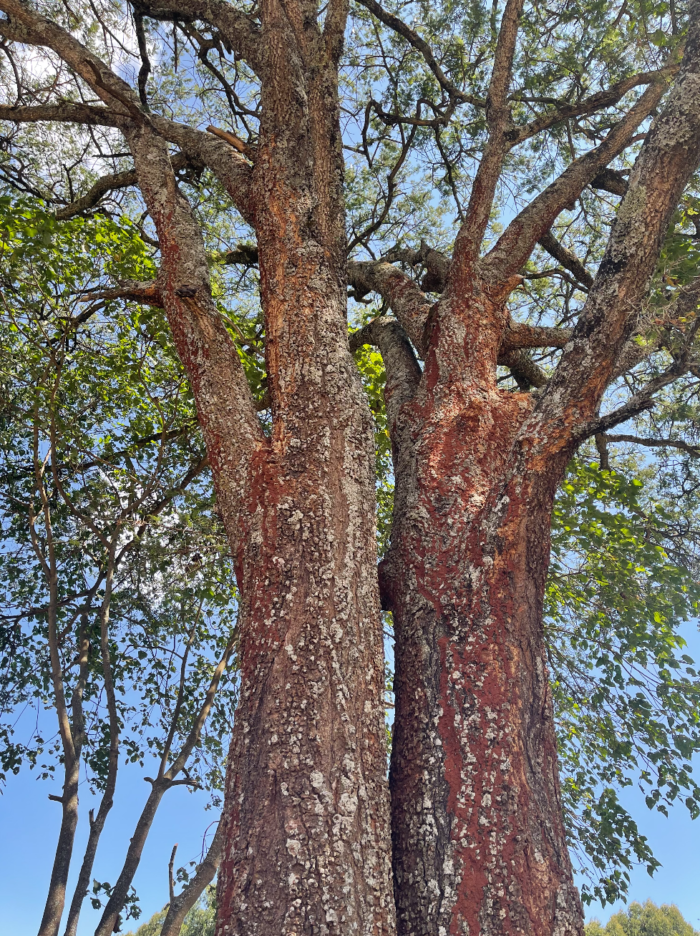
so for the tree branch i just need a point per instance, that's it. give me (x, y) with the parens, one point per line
(240, 31)
(567, 259)
(402, 371)
(590, 105)
(498, 119)
(407, 301)
(657, 443)
(420, 45)
(669, 156)
(158, 788)
(525, 372)
(183, 902)
(110, 183)
(517, 242)
(534, 336)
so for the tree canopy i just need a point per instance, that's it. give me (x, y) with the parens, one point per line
(644, 920)
(119, 607)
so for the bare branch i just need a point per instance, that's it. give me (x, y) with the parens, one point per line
(590, 105)
(171, 881)
(145, 69)
(518, 240)
(402, 371)
(159, 786)
(610, 181)
(567, 259)
(149, 293)
(526, 373)
(88, 114)
(534, 336)
(498, 119)
(183, 902)
(420, 45)
(109, 183)
(241, 31)
(693, 450)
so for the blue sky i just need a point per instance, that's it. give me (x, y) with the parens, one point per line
(29, 824)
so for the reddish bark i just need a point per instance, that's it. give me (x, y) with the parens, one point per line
(478, 838)
(479, 843)
(477, 831)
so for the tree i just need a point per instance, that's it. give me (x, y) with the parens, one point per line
(644, 920)
(117, 606)
(199, 921)
(523, 94)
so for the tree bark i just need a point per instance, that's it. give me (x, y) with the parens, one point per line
(306, 814)
(478, 838)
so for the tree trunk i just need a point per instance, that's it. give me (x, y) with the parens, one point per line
(306, 814)
(478, 838)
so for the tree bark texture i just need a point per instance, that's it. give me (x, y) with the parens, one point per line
(477, 834)
(306, 817)
(478, 837)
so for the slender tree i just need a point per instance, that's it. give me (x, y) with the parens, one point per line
(477, 836)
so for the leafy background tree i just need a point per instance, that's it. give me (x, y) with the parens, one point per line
(117, 604)
(644, 920)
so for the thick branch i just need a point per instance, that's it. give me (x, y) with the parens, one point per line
(498, 119)
(669, 156)
(526, 373)
(407, 301)
(402, 371)
(240, 31)
(590, 105)
(534, 336)
(567, 259)
(608, 180)
(91, 115)
(149, 293)
(231, 429)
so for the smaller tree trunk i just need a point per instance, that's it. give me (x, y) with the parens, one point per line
(479, 844)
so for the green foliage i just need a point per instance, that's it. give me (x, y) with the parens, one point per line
(200, 921)
(625, 694)
(644, 920)
(95, 401)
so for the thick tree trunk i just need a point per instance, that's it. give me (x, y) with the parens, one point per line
(306, 812)
(478, 838)
(307, 815)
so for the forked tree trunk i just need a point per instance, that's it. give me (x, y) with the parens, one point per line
(477, 832)
(479, 845)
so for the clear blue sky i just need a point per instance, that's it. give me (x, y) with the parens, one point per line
(29, 824)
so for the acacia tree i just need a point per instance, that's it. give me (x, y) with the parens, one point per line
(477, 839)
